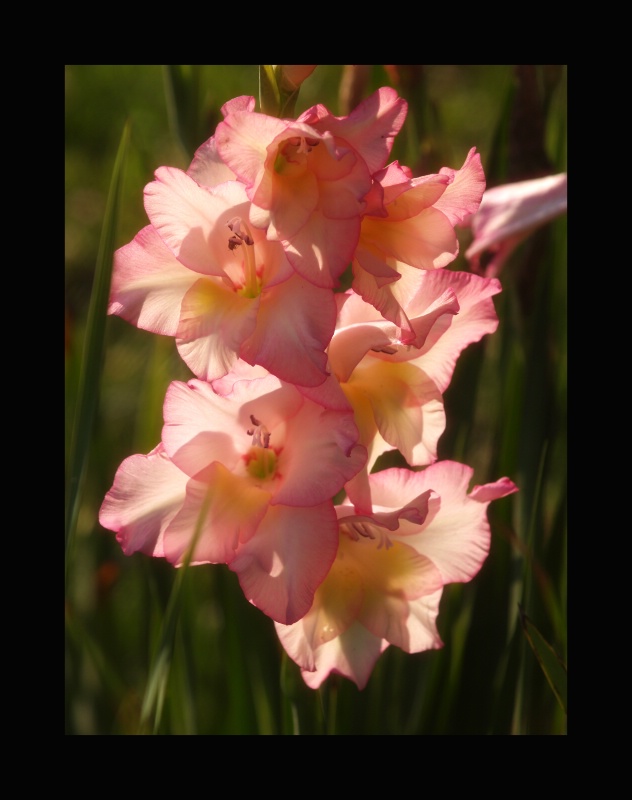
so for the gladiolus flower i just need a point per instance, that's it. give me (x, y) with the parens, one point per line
(308, 178)
(396, 389)
(386, 583)
(417, 231)
(202, 274)
(245, 480)
(509, 214)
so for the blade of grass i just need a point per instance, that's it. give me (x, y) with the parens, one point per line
(552, 665)
(89, 377)
(181, 91)
(153, 701)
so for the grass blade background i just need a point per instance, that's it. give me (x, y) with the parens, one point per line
(89, 378)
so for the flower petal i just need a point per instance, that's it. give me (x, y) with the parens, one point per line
(148, 491)
(201, 427)
(407, 407)
(463, 195)
(322, 249)
(148, 284)
(295, 322)
(207, 168)
(352, 655)
(456, 533)
(371, 127)
(192, 220)
(320, 455)
(242, 140)
(281, 567)
(214, 323)
(477, 317)
(225, 509)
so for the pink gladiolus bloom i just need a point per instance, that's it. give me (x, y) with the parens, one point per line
(253, 473)
(417, 231)
(386, 583)
(511, 212)
(201, 274)
(396, 389)
(308, 178)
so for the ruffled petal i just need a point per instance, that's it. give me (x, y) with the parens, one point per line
(463, 195)
(421, 623)
(295, 322)
(319, 456)
(148, 284)
(425, 241)
(148, 491)
(214, 323)
(281, 567)
(407, 407)
(242, 141)
(477, 317)
(371, 127)
(323, 248)
(207, 168)
(352, 655)
(456, 535)
(201, 427)
(192, 220)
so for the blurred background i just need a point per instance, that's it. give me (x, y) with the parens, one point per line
(502, 670)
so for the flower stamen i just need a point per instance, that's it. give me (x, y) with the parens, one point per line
(356, 529)
(260, 434)
(241, 235)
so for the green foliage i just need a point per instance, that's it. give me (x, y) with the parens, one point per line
(153, 650)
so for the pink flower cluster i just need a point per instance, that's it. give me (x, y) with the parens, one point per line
(298, 388)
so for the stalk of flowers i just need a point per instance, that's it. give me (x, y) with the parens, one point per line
(299, 389)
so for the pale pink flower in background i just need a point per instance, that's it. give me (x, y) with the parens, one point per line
(417, 232)
(308, 178)
(201, 274)
(396, 389)
(509, 214)
(385, 586)
(256, 472)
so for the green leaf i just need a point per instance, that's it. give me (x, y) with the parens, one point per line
(90, 373)
(552, 665)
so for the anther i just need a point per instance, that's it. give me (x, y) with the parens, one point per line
(386, 349)
(260, 434)
(239, 236)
